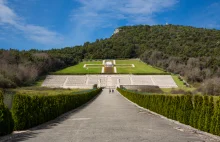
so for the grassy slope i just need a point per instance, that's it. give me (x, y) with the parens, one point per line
(44, 90)
(178, 82)
(140, 67)
(180, 85)
(79, 68)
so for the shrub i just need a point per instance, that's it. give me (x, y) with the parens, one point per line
(217, 119)
(211, 87)
(6, 121)
(198, 111)
(178, 91)
(6, 83)
(32, 110)
(209, 114)
(95, 86)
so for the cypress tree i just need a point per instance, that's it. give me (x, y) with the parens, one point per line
(179, 111)
(188, 107)
(209, 114)
(6, 121)
(217, 127)
(203, 114)
(214, 118)
(32, 110)
(193, 112)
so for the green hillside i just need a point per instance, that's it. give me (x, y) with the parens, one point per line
(191, 52)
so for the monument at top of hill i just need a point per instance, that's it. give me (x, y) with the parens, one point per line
(108, 64)
(116, 31)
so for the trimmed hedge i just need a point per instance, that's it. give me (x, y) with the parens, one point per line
(32, 110)
(198, 111)
(6, 121)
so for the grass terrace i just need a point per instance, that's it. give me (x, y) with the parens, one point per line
(132, 66)
(125, 66)
(93, 67)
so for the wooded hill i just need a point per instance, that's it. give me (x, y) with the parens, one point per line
(191, 52)
(178, 41)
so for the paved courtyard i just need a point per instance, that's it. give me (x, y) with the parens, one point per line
(110, 118)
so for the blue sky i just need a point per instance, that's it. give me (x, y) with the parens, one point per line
(46, 24)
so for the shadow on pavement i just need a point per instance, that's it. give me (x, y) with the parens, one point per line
(33, 132)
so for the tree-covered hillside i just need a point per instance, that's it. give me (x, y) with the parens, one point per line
(173, 40)
(191, 52)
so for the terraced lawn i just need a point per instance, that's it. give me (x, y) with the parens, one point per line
(123, 66)
(140, 67)
(77, 69)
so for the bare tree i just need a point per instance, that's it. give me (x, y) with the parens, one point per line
(211, 86)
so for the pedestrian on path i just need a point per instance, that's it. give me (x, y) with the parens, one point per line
(109, 90)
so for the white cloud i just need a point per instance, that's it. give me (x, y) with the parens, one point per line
(95, 13)
(36, 33)
(6, 14)
(92, 16)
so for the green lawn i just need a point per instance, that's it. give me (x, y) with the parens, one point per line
(80, 69)
(179, 83)
(140, 67)
(44, 90)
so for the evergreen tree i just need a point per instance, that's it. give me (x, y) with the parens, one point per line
(209, 114)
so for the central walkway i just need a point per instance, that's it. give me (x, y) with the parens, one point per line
(110, 117)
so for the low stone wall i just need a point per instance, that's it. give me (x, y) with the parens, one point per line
(79, 87)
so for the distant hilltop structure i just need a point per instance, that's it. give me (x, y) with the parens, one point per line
(116, 31)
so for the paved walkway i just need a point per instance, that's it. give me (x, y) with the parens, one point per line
(110, 118)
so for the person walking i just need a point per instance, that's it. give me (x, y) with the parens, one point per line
(109, 91)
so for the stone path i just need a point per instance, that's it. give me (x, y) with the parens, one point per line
(110, 117)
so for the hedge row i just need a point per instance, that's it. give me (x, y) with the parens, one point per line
(199, 111)
(6, 121)
(32, 110)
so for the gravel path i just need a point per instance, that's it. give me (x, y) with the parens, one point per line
(110, 117)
